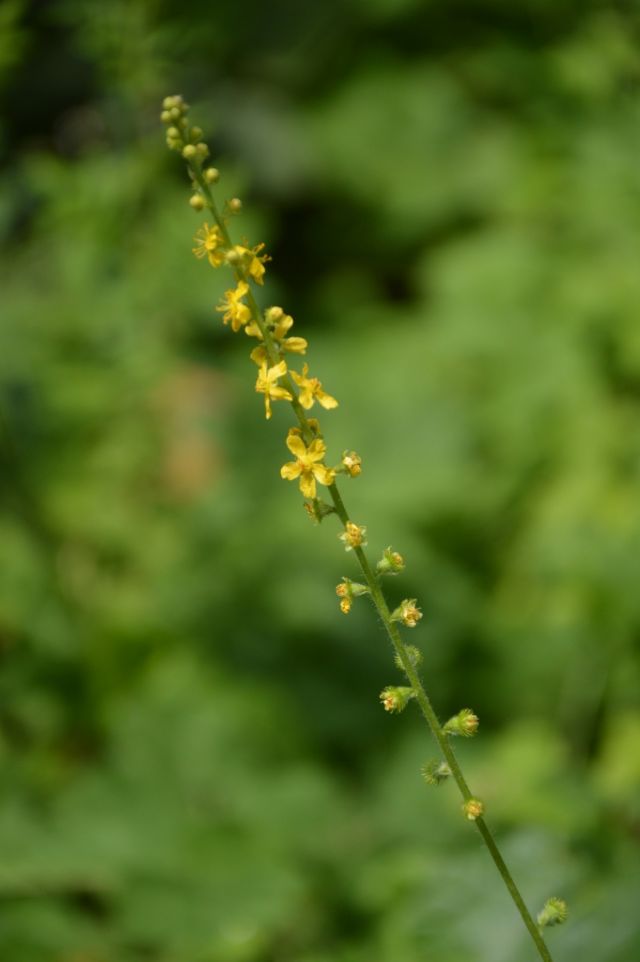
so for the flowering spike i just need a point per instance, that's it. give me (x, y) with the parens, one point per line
(391, 563)
(407, 613)
(554, 912)
(396, 698)
(413, 654)
(473, 808)
(465, 723)
(435, 773)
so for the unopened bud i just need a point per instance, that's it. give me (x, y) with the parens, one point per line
(197, 201)
(273, 314)
(165, 117)
(202, 151)
(189, 152)
(473, 809)
(465, 723)
(195, 134)
(212, 175)
(235, 205)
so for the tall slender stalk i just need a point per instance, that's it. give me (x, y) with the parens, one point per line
(243, 309)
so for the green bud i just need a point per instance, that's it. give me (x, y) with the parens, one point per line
(235, 205)
(197, 201)
(195, 134)
(189, 152)
(212, 175)
(202, 151)
(165, 116)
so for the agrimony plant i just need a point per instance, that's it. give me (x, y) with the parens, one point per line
(270, 330)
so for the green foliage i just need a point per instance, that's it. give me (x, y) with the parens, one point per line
(196, 764)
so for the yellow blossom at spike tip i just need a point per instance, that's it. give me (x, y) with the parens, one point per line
(311, 390)
(232, 307)
(267, 384)
(307, 466)
(353, 536)
(208, 241)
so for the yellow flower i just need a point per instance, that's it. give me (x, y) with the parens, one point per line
(311, 390)
(267, 384)
(279, 323)
(352, 463)
(233, 308)
(253, 260)
(353, 536)
(208, 241)
(307, 465)
(345, 606)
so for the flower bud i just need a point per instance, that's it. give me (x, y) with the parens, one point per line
(391, 563)
(435, 773)
(165, 117)
(414, 656)
(408, 613)
(352, 463)
(465, 723)
(235, 205)
(202, 151)
(175, 113)
(273, 314)
(189, 152)
(195, 134)
(554, 912)
(396, 699)
(473, 809)
(212, 175)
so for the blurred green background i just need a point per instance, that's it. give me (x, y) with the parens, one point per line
(194, 763)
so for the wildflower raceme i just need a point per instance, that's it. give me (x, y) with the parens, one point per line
(276, 351)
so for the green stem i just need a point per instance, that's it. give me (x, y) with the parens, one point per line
(380, 603)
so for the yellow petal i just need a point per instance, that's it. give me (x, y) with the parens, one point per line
(295, 345)
(308, 484)
(317, 450)
(306, 398)
(259, 355)
(296, 445)
(241, 289)
(290, 471)
(280, 393)
(278, 370)
(253, 330)
(282, 326)
(324, 474)
(326, 400)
